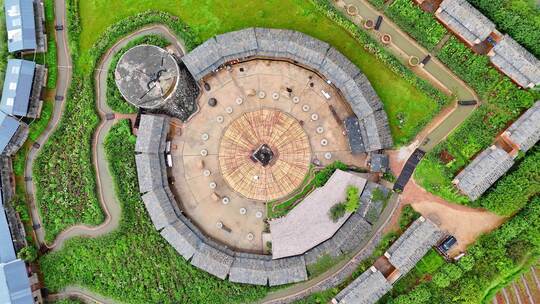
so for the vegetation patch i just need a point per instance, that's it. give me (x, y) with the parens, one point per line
(420, 25)
(135, 263)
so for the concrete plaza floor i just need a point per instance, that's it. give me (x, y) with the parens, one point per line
(245, 87)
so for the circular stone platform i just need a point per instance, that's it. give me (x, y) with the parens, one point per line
(147, 76)
(264, 155)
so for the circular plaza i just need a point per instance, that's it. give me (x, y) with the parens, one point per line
(274, 108)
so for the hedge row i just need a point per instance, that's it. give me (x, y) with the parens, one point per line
(115, 100)
(519, 18)
(420, 25)
(135, 263)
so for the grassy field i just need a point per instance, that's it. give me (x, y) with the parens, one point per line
(208, 18)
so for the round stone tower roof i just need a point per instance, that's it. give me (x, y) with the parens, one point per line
(147, 76)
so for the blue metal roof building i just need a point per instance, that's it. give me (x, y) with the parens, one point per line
(17, 87)
(14, 282)
(20, 25)
(8, 128)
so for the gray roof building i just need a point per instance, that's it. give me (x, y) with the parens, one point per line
(160, 208)
(152, 134)
(24, 25)
(525, 132)
(149, 172)
(19, 96)
(14, 283)
(413, 244)
(483, 171)
(354, 134)
(249, 269)
(345, 240)
(13, 134)
(465, 21)
(182, 238)
(379, 162)
(212, 261)
(285, 271)
(368, 288)
(309, 52)
(516, 62)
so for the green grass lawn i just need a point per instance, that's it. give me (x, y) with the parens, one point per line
(208, 18)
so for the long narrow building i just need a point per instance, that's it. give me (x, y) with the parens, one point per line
(25, 26)
(23, 84)
(494, 162)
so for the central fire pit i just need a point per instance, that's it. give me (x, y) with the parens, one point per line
(263, 155)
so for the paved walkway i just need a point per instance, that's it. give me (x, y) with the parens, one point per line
(435, 72)
(63, 83)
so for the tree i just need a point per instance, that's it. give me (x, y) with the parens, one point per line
(440, 279)
(452, 271)
(337, 211)
(466, 263)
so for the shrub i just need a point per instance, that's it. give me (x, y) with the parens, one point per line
(408, 215)
(28, 253)
(337, 211)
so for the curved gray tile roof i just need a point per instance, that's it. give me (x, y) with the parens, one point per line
(412, 245)
(160, 208)
(525, 132)
(368, 288)
(307, 51)
(182, 238)
(249, 270)
(152, 134)
(212, 261)
(483, 171)
(516, 62)
(465, 20)
(286, 271)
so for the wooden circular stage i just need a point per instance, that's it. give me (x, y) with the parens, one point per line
(264, 155)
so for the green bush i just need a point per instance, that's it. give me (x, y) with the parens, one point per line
(50, 55)
(115, 100)
(28, 253)
(408, 215)
(337, 211)
(422, 26)
(134, 262)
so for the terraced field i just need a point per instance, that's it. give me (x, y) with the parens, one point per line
(524, 290)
